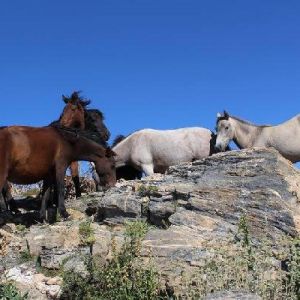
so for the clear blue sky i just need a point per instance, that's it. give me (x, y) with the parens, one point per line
(158, 64)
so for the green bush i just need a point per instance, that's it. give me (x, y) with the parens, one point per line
(86, 233)
(124, 277)
(248, 267)
(10, 292)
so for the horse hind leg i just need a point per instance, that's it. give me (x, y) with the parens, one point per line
(60, 186)
(11, 203)
(75, 176)
(3, 204)
(46, 193)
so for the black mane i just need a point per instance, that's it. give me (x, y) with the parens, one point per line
(119, 138)
(75, 97)
(72, 134)
(88, 120)
(90, 129)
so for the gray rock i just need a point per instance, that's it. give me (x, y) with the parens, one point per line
(198, 207)
(232, 295)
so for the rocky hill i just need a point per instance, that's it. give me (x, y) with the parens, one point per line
(224, 227)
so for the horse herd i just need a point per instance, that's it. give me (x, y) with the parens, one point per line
(31, 154)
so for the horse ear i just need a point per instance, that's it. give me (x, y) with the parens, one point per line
(226, 114)
(219, 115)
(109, 152)
(65, 99)
(85, 103)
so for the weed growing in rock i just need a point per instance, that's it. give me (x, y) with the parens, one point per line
(124, 277)
(86, 233)
(10, 292)
(147, 190)
(248, 267)
(25, 255)
(20, 228)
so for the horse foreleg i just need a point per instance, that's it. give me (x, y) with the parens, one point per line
(148, 169)
(96, 177)
(75, 176)
(3, 206)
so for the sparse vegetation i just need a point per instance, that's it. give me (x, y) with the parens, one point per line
(10, 292)
(86, 233)
(20, 228)
(249, 268)
(147, 190)
(25, 254)
(124, 277)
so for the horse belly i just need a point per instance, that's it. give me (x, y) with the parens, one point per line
(31, 160)
(170, 157)
(28, 173)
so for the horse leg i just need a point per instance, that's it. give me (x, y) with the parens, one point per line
(95, 177)
(9, 198)
(46, 193)
(75, 176)
(3, 205)
(60, 186)
(148, 169)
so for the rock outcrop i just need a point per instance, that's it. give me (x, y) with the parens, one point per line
(195, 208)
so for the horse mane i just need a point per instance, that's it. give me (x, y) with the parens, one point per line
(89, 125)
(88, 120)
(119, 138)
(226, 116)
(248, 123)
(72, 134)
(96, 111)
(75, 96)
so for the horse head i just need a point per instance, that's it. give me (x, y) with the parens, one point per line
(225, 131)
(94, 121)
(74, 111)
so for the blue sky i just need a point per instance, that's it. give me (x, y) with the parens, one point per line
(150, 64)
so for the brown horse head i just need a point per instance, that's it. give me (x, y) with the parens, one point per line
(94, 121)
(73, 113)
(105, 168)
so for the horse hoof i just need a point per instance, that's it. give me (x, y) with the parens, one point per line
(42, 216)
(64, 214)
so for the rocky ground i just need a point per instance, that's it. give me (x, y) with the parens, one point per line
(194, 210)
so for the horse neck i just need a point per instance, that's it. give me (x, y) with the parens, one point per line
(245, 134)
(85, 149)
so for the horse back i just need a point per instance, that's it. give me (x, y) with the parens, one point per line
(37, 144)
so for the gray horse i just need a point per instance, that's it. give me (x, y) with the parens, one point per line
(283, 137)
(152, 150)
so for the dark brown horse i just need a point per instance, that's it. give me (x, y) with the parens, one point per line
(75, 115)
(31, 154)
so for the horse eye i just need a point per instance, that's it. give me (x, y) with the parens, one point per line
(226, 127)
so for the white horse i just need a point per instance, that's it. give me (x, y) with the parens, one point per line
(152, 150)
(285, 137)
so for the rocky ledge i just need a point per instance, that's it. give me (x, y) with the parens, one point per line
(194, 210)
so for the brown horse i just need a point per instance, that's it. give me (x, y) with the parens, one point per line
(75, 115)
(31, 154)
